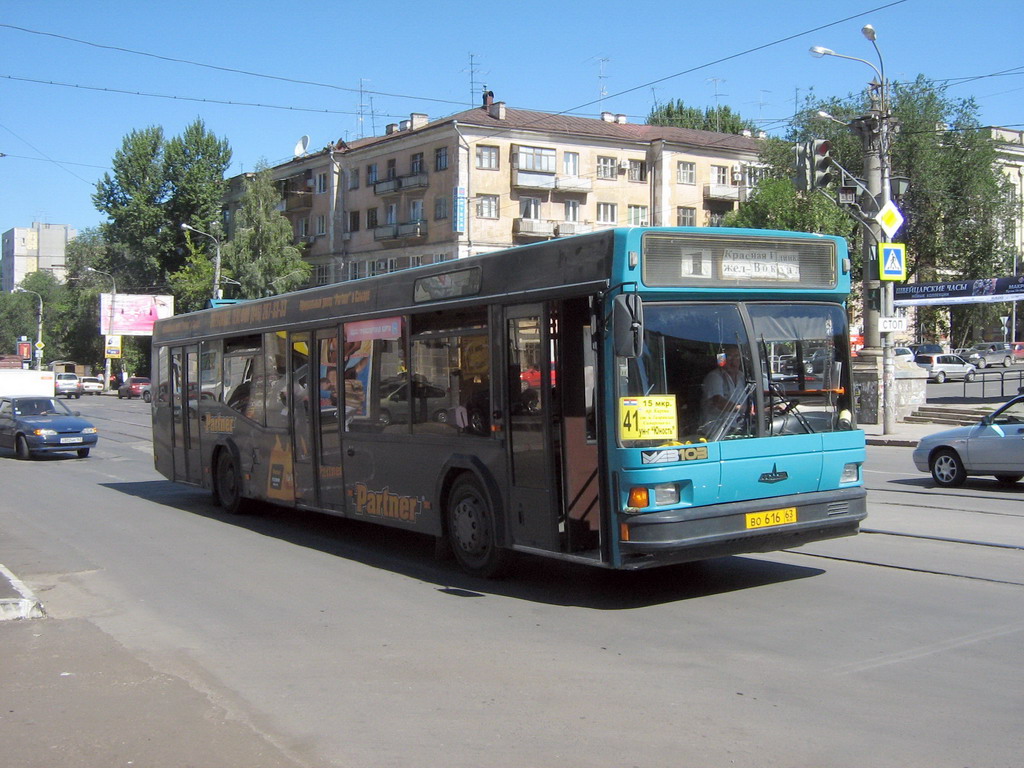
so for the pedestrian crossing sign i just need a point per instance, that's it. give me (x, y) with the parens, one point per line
(892, 261)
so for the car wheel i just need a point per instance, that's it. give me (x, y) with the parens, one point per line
(1008, 479)
(119, 395)
(969, 376)
(947, 468)
(83, 453)
(21, 446)
(982, 362)
(940, 377)
(384, 419)
(472, 529)
(147, 397)
(1007, 362)
(441, 416)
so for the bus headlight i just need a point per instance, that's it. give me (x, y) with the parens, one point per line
(665, 494)
(662, 495)
(851, 473)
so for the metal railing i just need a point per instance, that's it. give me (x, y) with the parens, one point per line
(992, 380)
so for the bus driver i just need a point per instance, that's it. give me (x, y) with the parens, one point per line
(722, 386)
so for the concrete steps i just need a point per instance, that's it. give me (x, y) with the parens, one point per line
(951, 415)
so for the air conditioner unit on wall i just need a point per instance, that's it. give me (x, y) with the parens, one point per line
(623, 165)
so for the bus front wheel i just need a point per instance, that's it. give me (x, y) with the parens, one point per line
(471, 529)
(227, 483)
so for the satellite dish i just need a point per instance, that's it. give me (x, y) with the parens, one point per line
(300, 146)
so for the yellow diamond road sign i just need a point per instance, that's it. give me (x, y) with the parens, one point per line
(890, 218)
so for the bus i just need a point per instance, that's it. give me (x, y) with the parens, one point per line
(550, 399)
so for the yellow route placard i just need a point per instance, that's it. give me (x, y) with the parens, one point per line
(648, 418)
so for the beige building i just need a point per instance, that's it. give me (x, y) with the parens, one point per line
(40, 247)
(1011, 161)
(492, 177)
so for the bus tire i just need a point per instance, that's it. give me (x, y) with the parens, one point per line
(471, 529)
(227, 483)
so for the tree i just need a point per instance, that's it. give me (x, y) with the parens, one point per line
(261, 256)
(720, 119)
(157, 185)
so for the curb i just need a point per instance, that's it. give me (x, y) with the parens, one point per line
(899, 442)
(24, 607)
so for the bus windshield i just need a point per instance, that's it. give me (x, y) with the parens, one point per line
(744, 370)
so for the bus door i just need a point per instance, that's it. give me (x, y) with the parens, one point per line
(534, 496)
(185, 409)
(329, 417)
(300, 409)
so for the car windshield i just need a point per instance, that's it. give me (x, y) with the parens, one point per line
(40, 406)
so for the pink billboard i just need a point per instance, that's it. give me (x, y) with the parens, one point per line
(131, 314)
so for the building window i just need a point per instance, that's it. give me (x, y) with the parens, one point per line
(572, 210)
(353, 270)
(536, 159)
(321, 224)
(529, 208)
(303, 227)
(686, 217)
(392, 170)
(720, 175)
(416, 163)
(371, 218)
(638, 216)
(686, 172)
(487, 157)
(571, 163)
(637, 170)
(607, 168)
(441, 207)
(391, 213)
(440, 158)
(321, 183)
(415, 210)
(371, 173)
(353, 179)
(353, 221)
(487, 207)
(323, 274)
(607, 213)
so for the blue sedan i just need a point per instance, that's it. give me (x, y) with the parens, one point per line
(32, 425)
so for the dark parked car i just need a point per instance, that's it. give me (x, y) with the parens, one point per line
(32, 425)
(132, 387)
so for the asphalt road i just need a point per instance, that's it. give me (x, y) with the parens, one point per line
(293, 639)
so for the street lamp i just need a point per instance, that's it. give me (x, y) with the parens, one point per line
(110, 323)
(39, 327)
(874, 132)
(217, 292)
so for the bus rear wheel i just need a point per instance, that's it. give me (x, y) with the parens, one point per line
(227, 483)
(471, 529)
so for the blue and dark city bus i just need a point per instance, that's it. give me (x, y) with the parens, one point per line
(558, 399)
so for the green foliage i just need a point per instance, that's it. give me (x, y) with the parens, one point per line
(720, 119)
(775, 204)
(261, 255)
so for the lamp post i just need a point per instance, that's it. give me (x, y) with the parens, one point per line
(217, 292)
(110, 323)
(877, 297)
(39, 327)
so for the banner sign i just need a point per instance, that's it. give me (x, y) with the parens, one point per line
(133, 315)
(981, 291)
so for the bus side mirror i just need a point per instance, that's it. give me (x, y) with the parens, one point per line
(628, 325)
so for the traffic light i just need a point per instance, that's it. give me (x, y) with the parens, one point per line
(821, 163)
(801, 167)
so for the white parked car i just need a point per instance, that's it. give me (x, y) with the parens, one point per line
(993, 446)
(905, 354)
(91, 385)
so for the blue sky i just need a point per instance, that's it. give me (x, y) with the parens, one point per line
(69, 95)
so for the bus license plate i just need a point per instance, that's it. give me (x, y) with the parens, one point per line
(771, 517)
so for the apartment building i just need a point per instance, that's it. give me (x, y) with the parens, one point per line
(493, 177)
(31, 249)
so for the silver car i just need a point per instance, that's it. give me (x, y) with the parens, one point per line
(993, 446)
(943, 367)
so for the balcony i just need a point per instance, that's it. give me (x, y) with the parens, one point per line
(416, 228)
(566, 228)
(412, 181)
(721, 192)
(573, 184)
(533, 180)
(386, 232)
(385, 186)
(533, 227)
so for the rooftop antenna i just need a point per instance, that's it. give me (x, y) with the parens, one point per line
(362, 106)
(602, 92)
(718, 114)
(300, 146)
(473, 72)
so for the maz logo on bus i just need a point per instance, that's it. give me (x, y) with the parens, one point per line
(385, 504)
